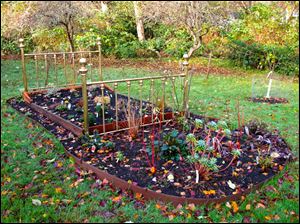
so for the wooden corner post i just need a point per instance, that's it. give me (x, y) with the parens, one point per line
(83, 71)
(21, 45)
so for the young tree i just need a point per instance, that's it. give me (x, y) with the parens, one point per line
(139, 20)
(198, 17)
(49, 14)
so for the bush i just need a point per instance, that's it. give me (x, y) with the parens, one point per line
(285, 59)
(11, 46)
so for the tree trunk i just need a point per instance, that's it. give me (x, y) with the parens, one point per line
(208, 66)
(196, 45)
(70, 34)
(139, 20)
(104, 7)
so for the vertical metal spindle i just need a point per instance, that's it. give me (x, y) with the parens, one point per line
(25, 83)
(100, 58)
(36, 71)
(55, 69)
(152, 99)
(128, 95)
(103, 105)
(91, 68)
(186, 85)
(116, 103)
(83, 71)
(73, 66)
(46, 70)
(128, 102)
(65, 71)
(141, 101)
(163, 98)
(175, 100)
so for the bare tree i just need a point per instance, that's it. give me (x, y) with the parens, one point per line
(139, 20)
(198, 17)
(59, 13)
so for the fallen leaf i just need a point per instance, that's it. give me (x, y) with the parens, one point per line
(228, 205)
(117, 199)
(260, 205)
(138, 196)
(231, 185)
(191, 207)
(171, 217)
(50, 161)
(248, 207)
(36, 202)
(209, 192)
(234, 206)
(58, 190)
(268, 217)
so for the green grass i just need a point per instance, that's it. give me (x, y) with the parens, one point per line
(23, 147)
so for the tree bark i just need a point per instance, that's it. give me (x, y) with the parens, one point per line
(104, 7)
(196, 45)
(70, 35)
(139, 20)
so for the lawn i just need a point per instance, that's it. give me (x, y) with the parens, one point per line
(40, 184)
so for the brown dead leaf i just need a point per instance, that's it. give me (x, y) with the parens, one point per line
(260, 205)
(248, 207)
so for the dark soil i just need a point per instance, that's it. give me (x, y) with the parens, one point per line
(270, 100)
(243, 173)
(53, 98)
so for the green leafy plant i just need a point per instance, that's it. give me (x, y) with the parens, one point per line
(119, 156)
(201, 157)
(264, 160)
(173, 147)
(61, 107)
(95, 142)
(92, 118)
(184, 123)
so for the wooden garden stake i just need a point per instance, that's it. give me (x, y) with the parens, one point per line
(21, 41)
(270, 83)
(186, 82)
(83, 71)
(100, 58)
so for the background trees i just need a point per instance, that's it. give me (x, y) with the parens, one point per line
(250, 33)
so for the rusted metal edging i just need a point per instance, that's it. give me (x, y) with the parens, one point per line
(152, 195)
(149, 194)
(57, 119)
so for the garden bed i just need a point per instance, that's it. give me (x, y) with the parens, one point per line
(67, 103)
(128, 163)
(270, 100)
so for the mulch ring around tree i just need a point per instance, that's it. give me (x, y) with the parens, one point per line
(149, 161)
(270, 100)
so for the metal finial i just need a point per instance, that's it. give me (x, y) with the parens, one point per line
(99, 41)
(21, 42)
(185, 57)
(83, 70)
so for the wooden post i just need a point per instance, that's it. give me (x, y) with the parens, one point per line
(186, 85)
(21, 41)
(83, 71)
(100, 58)
(270, 83)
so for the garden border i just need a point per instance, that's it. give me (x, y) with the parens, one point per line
(147, 193)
